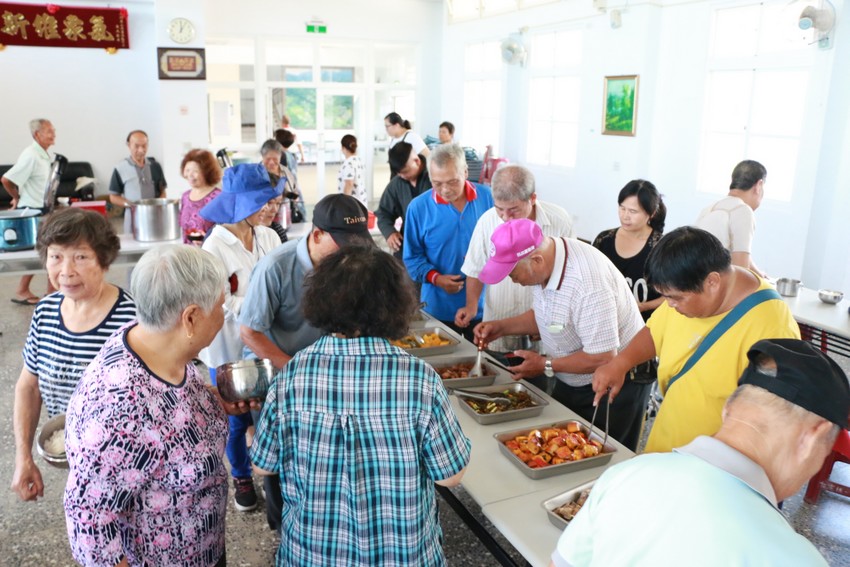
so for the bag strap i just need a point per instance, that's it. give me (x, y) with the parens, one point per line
(724, 325)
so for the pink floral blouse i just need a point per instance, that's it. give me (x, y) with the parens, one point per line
(190, 219)
(146, 479)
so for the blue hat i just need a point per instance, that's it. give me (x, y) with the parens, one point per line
(246, 188)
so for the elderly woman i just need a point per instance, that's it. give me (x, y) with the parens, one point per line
(201, 170)
(359, 430)
(144, 434)
(240, 240)
(68, 327)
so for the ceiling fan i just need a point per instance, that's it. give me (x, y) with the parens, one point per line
(514, 51)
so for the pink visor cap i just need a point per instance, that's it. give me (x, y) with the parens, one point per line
(510, 243)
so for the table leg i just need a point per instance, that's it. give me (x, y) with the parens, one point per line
(496, 550)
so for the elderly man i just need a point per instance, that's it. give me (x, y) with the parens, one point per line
(515, 198)
(412, 180)
(437, 230)
(25, 182)
(583, 311)
(732, 219)
(136, 178)
(272, 323)
(714, 501)
(713, 313)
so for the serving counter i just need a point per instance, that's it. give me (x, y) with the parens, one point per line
(508, 498)
(824, 324)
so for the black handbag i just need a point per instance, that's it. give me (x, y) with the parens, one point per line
(645, 372)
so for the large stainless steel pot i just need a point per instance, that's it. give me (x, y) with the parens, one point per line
(18, 229)
(155, 220)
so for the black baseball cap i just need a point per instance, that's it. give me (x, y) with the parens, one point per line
(805, 376)
(344, 218)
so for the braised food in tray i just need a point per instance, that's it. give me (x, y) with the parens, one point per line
(460, 370)
(519, 400)
(569, 510)
(553, 446)
(431, 340)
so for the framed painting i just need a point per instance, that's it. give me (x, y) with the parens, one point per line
(620, 118)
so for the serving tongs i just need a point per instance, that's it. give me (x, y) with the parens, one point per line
(502, 400)
(593, 419)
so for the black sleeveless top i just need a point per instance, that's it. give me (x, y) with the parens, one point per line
(634, 268)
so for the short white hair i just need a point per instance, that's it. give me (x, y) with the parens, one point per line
(170, 278)
(36, 124)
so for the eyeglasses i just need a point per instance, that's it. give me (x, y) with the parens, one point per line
(451, 184)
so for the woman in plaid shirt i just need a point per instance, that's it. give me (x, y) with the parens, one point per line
(357, 429)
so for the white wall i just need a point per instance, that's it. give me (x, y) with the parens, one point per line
(807, 237)
(93, 99)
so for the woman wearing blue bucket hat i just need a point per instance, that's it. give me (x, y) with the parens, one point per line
(240, 239)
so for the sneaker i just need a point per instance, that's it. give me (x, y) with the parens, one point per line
(245, 497)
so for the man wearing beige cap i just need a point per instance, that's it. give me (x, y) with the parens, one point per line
(584, 312)
(714, 501)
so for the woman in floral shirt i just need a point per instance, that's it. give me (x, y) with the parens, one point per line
(144, 434)
(201, 170)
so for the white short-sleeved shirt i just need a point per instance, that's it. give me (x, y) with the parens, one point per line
(732, 221)
(352, 168)
(507, 299)
(411, 138)
(30, 174)
(586, 305)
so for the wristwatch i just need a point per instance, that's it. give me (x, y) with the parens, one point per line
(548, 371)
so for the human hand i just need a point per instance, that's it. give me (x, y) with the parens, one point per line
(532, 364)
(449, 283)
(394, 241)
(607, 378)
(14, 203)
(486, 332)
(26, 481)
(464, 315)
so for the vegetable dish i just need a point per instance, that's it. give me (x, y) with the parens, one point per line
(519, 400)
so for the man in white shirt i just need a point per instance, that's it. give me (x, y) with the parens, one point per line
(732, 219)
(25, 182)
(515, 198)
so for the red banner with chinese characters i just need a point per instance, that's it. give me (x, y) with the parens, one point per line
(52, 25)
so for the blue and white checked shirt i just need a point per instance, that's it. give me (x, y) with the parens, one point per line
(358, 431)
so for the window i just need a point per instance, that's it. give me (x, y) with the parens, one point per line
(482, 96)
(231, 92)
(554, 96)
(756, 91)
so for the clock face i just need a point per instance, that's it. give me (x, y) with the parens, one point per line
(181, 30)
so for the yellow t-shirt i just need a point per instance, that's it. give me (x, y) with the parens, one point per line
(692, 407)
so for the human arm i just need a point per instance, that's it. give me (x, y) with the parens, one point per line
(116, 191)
(578, 362)
(610, 376)
(467, 313)
(445, 448)
(12, 190)
(650, 305)
(263, 346)
(523, 324)
(348, 187)
(26, 480)
(389, 209)
(235, 408)
(265, 449)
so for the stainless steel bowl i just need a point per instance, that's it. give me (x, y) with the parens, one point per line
(58, 460)
(244, 379)
(830, 296)
(788, 287)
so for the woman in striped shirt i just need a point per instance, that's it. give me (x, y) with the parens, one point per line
(68, 327)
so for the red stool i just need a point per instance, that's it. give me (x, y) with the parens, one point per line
(840, 453)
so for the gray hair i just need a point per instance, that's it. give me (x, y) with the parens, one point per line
(170, 278)
(271, 145)
(513, 183)
(36, 124)
(444, 154)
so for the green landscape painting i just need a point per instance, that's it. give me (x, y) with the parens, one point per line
(620, 105)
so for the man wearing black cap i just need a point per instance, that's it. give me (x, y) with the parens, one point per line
(272, 324)
(412, 180)
(714, 501)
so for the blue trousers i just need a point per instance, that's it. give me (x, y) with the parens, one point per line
(236, 449)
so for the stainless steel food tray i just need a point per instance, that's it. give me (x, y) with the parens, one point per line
(489, 377)
(608, 451)
(561, 499)
(422, 352)
(507, 415)
(421, 319)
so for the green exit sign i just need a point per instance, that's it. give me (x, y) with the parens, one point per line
(317, 28)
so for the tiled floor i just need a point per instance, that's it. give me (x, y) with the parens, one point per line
(33, 534)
